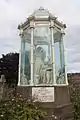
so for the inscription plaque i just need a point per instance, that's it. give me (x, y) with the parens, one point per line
(43, 94)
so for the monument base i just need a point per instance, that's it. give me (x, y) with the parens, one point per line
(53, 100)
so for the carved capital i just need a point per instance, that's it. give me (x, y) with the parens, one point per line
(51, 24)
(31, 24)
(21, 33)
(62, 32)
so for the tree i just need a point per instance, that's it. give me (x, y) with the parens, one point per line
(15, 107)
(75, 98)
(9, 67)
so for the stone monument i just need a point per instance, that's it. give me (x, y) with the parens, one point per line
(2, 87)
(42, 64)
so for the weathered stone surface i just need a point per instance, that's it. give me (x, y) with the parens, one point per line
(43, 94)
(25, 91)
(2, 79)
(62, 95)
(2, 87)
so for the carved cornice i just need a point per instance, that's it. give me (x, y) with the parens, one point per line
(41, 15)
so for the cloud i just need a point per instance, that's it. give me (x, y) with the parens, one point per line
(13, 12)
(72, 40)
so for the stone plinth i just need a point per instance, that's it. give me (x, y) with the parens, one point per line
(53, 100)
(62, 95)
(25, 91)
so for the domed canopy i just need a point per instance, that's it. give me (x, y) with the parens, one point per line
(42, 58)
(41, 13)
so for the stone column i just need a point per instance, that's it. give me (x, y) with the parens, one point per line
(19, 61)
(32, 60)
(60, 48)
(23, 72)
(65, 61)
(52, 51)
(21, 35)
(19, 67)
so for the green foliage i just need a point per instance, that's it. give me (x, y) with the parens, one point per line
(9, 67)
(75, 99)
(17, 108)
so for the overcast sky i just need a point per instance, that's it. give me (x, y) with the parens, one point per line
(13, 12)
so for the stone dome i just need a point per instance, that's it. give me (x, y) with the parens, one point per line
(41, 13)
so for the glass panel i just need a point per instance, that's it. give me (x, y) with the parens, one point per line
(62, 63)
(42, 56)
(25, 59)
(59, 62)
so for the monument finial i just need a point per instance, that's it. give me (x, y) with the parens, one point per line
(41, 8)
